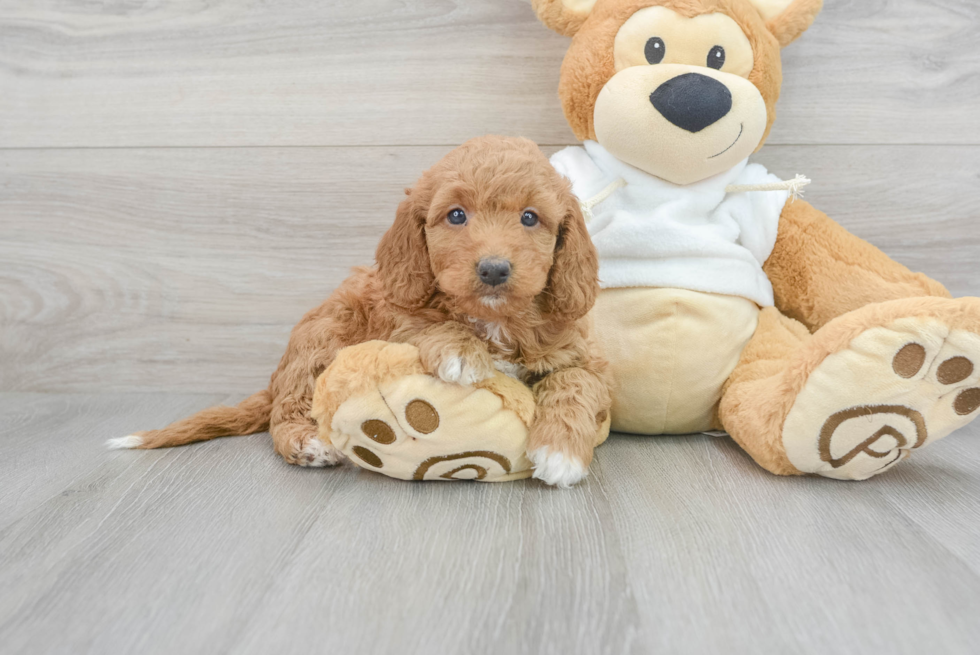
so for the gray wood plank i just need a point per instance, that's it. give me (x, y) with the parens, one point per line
(185, 269)
(428, 71)
(748, 562)
(50, 441)
(672, 545)
(221, 547)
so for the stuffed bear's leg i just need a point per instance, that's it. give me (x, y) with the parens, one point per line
(820, 271)
(859, 395)
(753, 403)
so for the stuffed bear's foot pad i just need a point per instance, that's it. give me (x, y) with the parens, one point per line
(420, 428)
(378, 407)
(893, 390)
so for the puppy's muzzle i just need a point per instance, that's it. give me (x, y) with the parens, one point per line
(692, 101)
(493, 271)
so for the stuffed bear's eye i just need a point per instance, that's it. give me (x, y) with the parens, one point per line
(529, 218)
(716, 58)
(655, 50)
(456, 216)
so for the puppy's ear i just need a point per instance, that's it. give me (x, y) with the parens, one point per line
(403, 257)
(563, 16)
(788, 19)
(574, 279)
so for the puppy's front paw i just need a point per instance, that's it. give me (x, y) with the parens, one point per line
(458, 369)
(557, 468)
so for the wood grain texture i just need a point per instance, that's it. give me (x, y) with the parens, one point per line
(417, 72)
(671, 545)
(161, 231)
(185, 269)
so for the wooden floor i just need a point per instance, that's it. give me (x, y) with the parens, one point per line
(181, 180)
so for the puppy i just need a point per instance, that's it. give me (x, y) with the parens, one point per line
(487, 266)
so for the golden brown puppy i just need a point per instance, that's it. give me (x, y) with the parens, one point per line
(487, 266)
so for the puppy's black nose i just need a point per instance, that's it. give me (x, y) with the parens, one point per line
(692, 101)
(493, 271)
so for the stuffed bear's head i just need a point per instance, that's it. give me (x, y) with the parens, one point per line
(682, 89)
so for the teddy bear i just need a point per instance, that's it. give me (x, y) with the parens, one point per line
(727, 304)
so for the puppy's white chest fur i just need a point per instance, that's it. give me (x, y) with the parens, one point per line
(493, 333)
(496, 334)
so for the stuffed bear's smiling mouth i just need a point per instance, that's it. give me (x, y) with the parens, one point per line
(741, 128)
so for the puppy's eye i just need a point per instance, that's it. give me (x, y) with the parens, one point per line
(655, 50)
(456, 216)
(716, 58)
(529, 219)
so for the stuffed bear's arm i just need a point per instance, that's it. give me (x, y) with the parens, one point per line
(820, 271)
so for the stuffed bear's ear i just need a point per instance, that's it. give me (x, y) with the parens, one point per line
(788, 19)
(563, 16)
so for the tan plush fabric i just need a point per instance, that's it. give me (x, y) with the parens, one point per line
(376, 404)
(670, 351)
(624, 124)
(793, 21)
(820, 271)
(893, 363)
(684, 39)
(867, 407)
(789, 396)
(771, 8)
(563, 16)
(590, 62)
(756, 395)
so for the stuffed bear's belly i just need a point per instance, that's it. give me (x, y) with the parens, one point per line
(671, 352)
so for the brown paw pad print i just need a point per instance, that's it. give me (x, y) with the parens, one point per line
(378, 432)
(472, 465)
(422, 416)
(967, 402)
(367, 456)
(954, 370)
(908, 362)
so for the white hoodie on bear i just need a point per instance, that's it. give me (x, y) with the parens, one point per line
(651, 233)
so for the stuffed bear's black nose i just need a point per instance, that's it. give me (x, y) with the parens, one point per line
(692, 101)
(493, 271)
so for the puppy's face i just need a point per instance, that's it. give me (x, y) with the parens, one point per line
(495, 228)
(491, 231)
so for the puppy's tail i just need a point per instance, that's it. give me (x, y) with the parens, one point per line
(249, 416)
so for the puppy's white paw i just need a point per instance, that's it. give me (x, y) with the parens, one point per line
(316, 454)
(121, 443)
(458, 370)
(557, 469)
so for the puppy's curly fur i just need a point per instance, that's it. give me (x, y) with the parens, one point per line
(426, 290)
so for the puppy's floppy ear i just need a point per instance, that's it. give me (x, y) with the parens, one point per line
(788, 19)
(403, 257)
(574, 279)
(563, 16)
